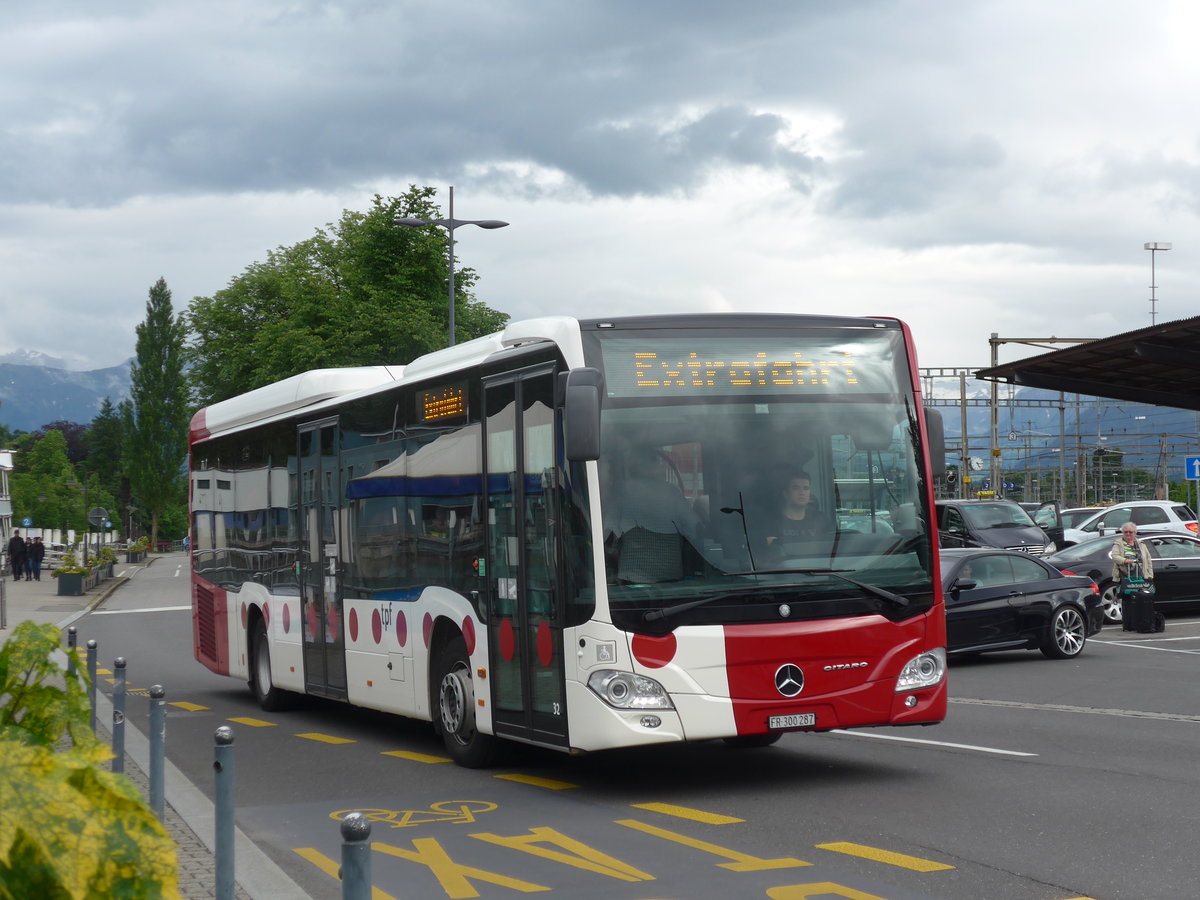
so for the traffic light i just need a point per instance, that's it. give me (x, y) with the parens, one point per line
(951, 476)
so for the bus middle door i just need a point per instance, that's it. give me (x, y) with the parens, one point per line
(525, 612)
(324, 643)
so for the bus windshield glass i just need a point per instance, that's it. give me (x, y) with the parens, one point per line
(745, 477)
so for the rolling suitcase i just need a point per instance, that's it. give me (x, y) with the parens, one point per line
(1137, 604)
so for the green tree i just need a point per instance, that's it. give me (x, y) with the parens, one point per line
(69, 829)
(156, 422)
(105, 441)
(363, 291)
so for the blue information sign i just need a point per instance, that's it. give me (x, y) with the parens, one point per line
(1191, 468)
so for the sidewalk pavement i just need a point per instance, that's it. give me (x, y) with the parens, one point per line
(188, 813)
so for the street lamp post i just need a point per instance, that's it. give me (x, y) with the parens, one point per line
(1154, 247)
(450, 224)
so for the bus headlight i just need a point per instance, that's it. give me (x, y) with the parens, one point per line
(624, 690)
(923, 671)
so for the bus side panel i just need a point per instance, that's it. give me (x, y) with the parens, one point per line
(210, 625)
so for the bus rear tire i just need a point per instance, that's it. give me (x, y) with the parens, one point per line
(455, 709)
(269, 697)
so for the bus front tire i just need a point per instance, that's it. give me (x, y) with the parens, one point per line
(269, 697)
(455, 709)
(750, 741)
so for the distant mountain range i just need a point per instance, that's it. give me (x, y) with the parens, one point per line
(36, 389)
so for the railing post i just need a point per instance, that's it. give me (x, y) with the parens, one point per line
(118, 730)
(356, 857)
(223, 766)
(72, 638)
(91, 663)
(158, 740)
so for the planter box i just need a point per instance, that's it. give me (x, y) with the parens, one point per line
(134, 556)
(70, 585)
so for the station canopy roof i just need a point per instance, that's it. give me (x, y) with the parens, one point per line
(1159, 365)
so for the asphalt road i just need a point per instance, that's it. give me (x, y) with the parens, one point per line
(1049, 780)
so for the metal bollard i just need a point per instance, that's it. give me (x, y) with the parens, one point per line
(356, 857)
(91, 653)
(71, 641)
(223, 766)
(118, 730)
(158, 740)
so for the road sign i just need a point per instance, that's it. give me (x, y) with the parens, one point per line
(1191, 468)
(97, 516)
(27, 522)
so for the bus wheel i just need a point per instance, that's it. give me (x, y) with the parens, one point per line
(269, 697)
(749, 741)
(456, 709)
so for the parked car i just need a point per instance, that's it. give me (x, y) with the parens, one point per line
(1074, 516)
(990, 523)
(1004, 600)
(1147, 515)
(1176, 569)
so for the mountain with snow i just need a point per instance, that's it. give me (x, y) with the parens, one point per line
(36, 389)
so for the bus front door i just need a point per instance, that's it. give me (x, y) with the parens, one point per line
(525, 613)
(324, 643)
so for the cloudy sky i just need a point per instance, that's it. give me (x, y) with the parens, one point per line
(970, 167)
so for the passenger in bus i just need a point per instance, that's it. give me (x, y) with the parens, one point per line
(798, 519)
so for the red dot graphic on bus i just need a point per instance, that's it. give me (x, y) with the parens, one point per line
(353, 625)
(376, 626)
(654, 652)
(401, 628)
(243, 613)
(331, 625)
(468, 631)
(287, 618)
(427, 629)
(545, 643)
(310, 617)
(508, 640)
(267, 614)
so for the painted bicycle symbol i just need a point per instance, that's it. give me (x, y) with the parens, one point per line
(454, 812)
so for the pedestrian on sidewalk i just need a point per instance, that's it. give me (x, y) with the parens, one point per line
(16, 555)
(37, 554)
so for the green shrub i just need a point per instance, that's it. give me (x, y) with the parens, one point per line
(69, 828)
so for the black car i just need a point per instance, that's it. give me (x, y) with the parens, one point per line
(990, 523)
(1176, 569)
(1005, 600)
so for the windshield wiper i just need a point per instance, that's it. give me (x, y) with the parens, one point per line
(653, 615)
(836, 573)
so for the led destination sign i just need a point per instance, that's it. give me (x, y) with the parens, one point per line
(797, 365)
(443, 404)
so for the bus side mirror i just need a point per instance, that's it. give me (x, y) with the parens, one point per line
(936, 432)
(581, 413)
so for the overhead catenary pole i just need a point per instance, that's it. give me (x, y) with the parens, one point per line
(1154, 247)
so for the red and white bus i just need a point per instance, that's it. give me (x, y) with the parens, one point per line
(570, 534)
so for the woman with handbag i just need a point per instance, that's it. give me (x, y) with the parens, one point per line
(1133, 569)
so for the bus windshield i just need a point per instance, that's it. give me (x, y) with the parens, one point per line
(796, 492)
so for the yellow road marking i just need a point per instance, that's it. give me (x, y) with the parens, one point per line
(324, 738)
(330, 868)
(253, 723)
(417, 757)
(548, 783)
(684, 812)
(190, 707)
(738, 862)
(902, 860)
